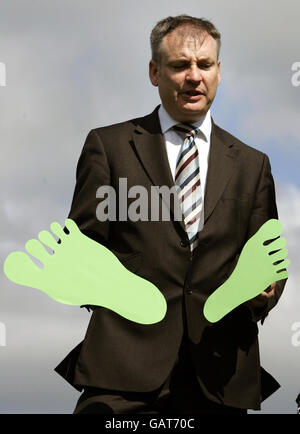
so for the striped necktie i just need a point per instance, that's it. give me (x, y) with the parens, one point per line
(187, 182)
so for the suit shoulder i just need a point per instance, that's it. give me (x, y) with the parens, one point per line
(123, 130)
(118, 128)
(228, 137)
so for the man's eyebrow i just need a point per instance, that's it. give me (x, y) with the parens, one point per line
(186, 60)
(178, 59)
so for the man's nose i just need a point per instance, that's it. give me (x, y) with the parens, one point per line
(194, 74)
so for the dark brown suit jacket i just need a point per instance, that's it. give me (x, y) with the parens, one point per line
(122, 355)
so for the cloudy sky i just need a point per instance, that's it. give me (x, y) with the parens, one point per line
(75, 65)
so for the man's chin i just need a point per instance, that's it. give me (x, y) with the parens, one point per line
(187, 112)
(191, 111)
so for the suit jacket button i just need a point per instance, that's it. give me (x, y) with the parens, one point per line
(184, 243)
(189, 291)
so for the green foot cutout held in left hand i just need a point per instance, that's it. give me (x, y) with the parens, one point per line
(83, 272)
(256, 269)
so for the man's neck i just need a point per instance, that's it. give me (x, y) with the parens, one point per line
(167, 122)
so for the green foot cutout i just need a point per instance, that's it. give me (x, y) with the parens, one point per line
(83, 272)
(255, 271)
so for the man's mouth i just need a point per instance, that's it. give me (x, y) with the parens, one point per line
(191, 95)
(192, 92)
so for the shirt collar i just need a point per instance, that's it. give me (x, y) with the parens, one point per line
(167, 122)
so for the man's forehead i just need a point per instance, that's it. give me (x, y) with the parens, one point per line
(187, 38)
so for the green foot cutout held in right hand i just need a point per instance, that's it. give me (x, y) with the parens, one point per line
(255, 271)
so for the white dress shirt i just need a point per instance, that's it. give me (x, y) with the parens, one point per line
(173, 142)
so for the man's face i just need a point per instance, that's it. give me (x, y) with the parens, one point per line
(188, 74)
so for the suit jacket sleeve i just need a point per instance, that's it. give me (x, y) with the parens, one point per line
(92, 172)
(265, 209)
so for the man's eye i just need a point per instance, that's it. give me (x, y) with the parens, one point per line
(179, 66)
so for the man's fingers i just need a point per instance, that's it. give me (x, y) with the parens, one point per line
(261, 299)
(262, 296)
(266, 294)
(269, 292)
(269, 289)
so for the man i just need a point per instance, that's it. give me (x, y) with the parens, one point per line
(182, 364)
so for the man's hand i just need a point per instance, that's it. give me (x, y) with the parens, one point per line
(262, 298)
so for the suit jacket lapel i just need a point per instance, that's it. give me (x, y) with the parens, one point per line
(220, 169)
(149, 144)
(150, 147)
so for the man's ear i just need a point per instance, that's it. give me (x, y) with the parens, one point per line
(153, 72)
(219, 72)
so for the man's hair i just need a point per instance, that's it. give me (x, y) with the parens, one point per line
(167, 25)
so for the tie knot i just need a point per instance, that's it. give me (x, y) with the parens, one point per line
(187, 129)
